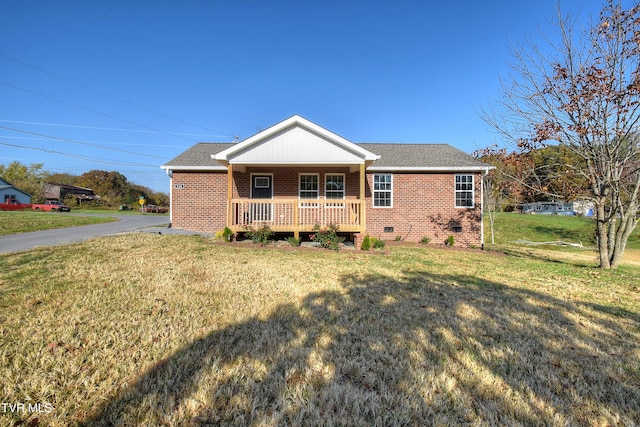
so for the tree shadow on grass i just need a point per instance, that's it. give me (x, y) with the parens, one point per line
(537, 253)
(561, 233)
(425, 349)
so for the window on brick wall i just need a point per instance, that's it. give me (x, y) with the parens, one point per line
(334, 188)
(464, 191)
(383, 190)
(308, 188)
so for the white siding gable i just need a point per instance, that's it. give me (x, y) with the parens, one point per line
(295, 141)
(296, 145)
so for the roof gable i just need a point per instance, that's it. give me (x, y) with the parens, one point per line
(295, 141)
(6, 186)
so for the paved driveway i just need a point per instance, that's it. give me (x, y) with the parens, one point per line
(24, 241)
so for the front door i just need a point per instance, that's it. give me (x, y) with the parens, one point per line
(261, 188)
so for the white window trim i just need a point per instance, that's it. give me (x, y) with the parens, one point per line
(306, 202)
(300, 175)
(344, 185)
(373, 191)
(473, 191)
(330, 202)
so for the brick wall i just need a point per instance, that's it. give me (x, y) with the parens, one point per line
(423, 204)
(201, 204)
(286, 181)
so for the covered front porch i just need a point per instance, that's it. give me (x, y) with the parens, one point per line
(296, 175)
(296, 199)
(295, 215)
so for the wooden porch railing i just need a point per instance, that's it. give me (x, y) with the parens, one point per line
(295, 214)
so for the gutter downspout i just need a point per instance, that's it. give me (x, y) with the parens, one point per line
(170, 175)
(484, 174)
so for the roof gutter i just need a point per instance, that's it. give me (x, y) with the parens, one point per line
(484, 169)
(193, 168)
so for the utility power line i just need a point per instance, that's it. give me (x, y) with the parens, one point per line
(81, 143)
(63, 169)
(124, 101)
(101, 128)
(89, 109)
(105, 143)
(75, 156)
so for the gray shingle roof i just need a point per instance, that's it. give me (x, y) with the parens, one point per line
(199, 155)
(391, 156)
(420, 156)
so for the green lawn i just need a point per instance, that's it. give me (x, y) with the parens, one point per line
(510, 227)
(189, 331)
(12, 222)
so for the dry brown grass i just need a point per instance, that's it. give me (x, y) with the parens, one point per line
(588, 257)
(632, 256)
(143, 329)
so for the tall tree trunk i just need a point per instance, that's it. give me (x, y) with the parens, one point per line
(492, 219)
(611, 238)
(602, 234)
(627, 225)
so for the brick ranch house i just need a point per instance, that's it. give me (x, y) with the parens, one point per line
(297, 174)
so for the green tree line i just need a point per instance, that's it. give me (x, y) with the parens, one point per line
(113, 188)
(540, 175)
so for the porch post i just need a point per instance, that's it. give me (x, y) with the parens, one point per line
(296, 220)
(229, 193)
(363, 202)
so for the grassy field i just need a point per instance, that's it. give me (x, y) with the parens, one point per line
(20, 222)
(186, 331)
(513, 227)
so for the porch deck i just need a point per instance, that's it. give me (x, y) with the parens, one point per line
(295, 215)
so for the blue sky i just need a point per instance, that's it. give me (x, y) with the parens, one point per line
(128, 85)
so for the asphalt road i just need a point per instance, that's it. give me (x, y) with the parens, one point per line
(60, 236)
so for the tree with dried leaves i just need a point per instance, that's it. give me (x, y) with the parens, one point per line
(583, 93)
(506, 184)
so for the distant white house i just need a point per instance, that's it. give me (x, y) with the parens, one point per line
(9, 193)
(577, 207)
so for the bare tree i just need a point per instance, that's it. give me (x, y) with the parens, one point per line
(492, 201)
(493, 188)
(582, 92)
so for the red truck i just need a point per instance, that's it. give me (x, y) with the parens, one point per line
(155, 209)
(13, 205)
(51, 205)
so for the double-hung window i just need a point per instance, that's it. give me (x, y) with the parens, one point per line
(334, 188)
(383, 190)
(308, 188)
(464, 191)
